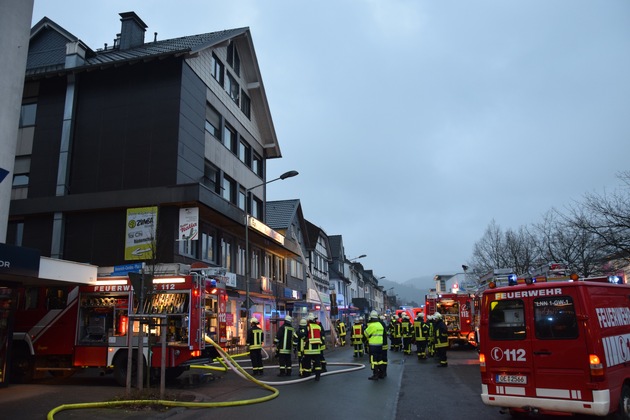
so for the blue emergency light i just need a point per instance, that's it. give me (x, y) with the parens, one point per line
(512, 280)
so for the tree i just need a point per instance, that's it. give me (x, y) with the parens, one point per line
(606, 217)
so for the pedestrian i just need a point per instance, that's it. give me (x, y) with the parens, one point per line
(284, 345)
(357, 337)
(254, 346)
(341, 332)
(421, 332)
(299, 341)
(406, 332)
(441, 340)
(312, 347)
(375, 337)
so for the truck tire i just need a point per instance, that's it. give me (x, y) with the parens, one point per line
(623, 408)
(120, 368)
(22, 365)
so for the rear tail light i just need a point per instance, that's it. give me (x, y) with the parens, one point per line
(597, 369)
(482, 362)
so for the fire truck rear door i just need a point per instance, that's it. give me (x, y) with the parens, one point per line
(559, 349)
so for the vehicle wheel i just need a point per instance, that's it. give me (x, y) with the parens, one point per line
(120, 369)
(22, 367)
(623, 408)
(517, 414)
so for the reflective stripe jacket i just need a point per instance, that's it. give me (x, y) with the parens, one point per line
(375, 333)
(313, 339)
(255, 338)
(284, 338)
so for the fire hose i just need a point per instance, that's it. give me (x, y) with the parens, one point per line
(227, 362)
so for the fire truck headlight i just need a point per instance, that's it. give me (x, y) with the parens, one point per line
(177, 352)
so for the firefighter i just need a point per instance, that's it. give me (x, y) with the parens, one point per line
(254, 346)
(341, 332)
(431, 336)
(406, 332)
(357, 337)
(383, 371)
(375, 336)
(322, 359)
(421, 333)
(397, 333)
(312, 347)
(284, 345)
(299, 341)
(441, 340)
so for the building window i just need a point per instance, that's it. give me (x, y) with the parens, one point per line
(232, 88)
(229, 189)
(246, 105)
(217, 69)
(243, 152)
(240, 202)
(226, 254)
(256, 208)
(233, 58)
(254, 271)
(211, 176)
(240, 261)
(213, 121)
(27, 115)
(20, 180)
(188, 248)
(268, 267)
(257, 164)
(207, 247)
(229, 138)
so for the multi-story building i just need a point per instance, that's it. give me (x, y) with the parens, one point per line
(171, 135)
(318, 283)
(339, 282)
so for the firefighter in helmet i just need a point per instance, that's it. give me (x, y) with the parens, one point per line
(375, 336)
(406, 332)
(441, 339)
(357, 337)
(299, 341)
(284, 345)
(254, 345)
(340, 326)
(431, 336)
(312, 347)
(421, 333)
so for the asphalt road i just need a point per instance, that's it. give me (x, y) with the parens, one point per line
(412, 390)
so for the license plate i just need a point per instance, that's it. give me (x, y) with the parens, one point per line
(512, 379)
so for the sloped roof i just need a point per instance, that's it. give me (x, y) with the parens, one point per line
(280, 214)
(47, 56)
(150, 50)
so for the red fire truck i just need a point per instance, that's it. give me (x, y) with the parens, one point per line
(557, 347)
(456, 309)
(60, 329)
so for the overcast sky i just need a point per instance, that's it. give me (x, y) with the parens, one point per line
(415, 123)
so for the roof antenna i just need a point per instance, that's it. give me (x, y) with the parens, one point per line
(154, 36)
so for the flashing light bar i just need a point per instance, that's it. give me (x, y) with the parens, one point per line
(169, 280)
(111, 282)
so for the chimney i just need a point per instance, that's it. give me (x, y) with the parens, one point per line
(132, 31)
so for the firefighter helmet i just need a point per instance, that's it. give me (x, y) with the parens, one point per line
(303, 322)
(254, 321)
(310, 317)
(288, 318)
(373, 315)
(419, 316)
(437, 316)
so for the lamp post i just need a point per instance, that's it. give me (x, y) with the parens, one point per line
(284, 176)
(356, 258)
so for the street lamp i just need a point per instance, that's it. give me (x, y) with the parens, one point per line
(284, 176)
(356, 258)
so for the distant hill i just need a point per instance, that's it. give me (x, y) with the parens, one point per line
(411, 292)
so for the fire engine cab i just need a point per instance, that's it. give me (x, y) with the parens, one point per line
(557, 347)
(456, 309)
(62, 329)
